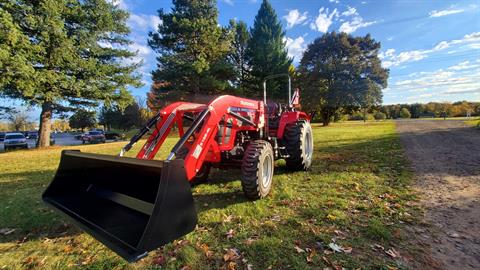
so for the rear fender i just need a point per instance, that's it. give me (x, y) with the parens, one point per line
(288, 118)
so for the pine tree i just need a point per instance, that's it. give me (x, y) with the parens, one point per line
(238, 55)
(64, 54)
(266, 53)
(192, 51)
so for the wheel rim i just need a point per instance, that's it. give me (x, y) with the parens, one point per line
(308, 146)
(267, 171)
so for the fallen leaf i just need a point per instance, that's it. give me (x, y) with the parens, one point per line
(87, 260)
(232, 266)
(453, 234)
(230, 233)
(392, 252)
(249, 267)
(206, 250)
(335, 247)
(299, 250)
(228, 219)
(7, 231)
(231, 255)
(68, 249)
(378, 247)
(310, 256)
(347, 250)
(159, 260)
(252, 239)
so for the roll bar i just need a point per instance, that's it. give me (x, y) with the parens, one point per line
(273, 77)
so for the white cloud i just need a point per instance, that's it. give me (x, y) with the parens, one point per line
(228, 2)
(350, 11)
(392, 59)
(120, 3)
(389, 38)
(334, 1)
(353, 25)
(295, 47)
(143, 22)
(441, 13)
(324, 20)
(294, 17)
(464, 65)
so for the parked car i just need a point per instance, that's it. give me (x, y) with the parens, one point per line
(14, 140)
(2, 136)
(32, 135)
(93, 137)
(112, 136)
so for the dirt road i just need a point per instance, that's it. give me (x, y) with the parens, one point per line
(445, 157)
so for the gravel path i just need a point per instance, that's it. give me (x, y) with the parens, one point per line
(445, 157)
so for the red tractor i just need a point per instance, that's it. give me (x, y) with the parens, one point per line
(134, 205)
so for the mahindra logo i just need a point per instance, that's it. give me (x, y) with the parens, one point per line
(246, 103)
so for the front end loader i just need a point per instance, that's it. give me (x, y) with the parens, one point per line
(134, 205)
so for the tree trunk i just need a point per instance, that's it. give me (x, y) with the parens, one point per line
(45, 126)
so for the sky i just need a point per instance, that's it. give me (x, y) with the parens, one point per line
(432, 47)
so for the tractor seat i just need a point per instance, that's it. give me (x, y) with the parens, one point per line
(273, 109)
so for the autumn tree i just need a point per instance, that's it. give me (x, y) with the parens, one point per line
(339, 71)
(64, 54)
(191, 49)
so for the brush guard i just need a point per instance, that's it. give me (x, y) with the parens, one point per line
(130, 205)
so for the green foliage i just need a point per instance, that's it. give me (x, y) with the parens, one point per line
(64, 53)
(82, 119)
(434, 109)
(192, 51)
(266, 53)
(238, 55)
(133, 116)
(379, 116)
(341, 71)
(358, 115)
(405, 113)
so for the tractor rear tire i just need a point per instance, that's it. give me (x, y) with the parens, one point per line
(298, 139)
(257, 169)
(202, 175)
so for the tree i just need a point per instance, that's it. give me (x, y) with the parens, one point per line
(60, 125)
(82, 119)
(65, 54)
(339, 71)
(405, 113)
(192, 51)
(380, 116)
(18, 119)
(266, 53)
(238, 55)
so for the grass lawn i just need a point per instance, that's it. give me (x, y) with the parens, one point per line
(356, 196)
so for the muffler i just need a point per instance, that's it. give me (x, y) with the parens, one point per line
(130, 205)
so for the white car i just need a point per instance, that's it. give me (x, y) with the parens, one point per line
(15, 140)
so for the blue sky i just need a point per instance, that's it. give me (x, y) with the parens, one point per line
(432, 48)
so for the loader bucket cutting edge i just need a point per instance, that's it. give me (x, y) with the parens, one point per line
(130, 205)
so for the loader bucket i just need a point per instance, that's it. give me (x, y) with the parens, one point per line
(130, 205)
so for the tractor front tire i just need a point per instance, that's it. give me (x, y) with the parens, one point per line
(257, 169)
(298, 139)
